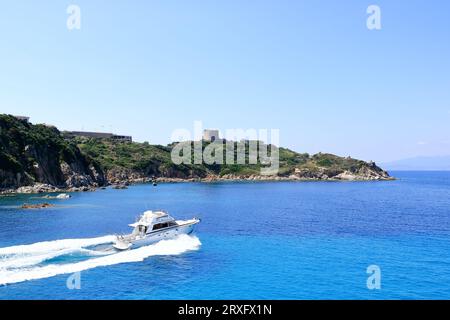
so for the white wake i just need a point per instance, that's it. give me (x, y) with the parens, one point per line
(45, 247)
(20, 263)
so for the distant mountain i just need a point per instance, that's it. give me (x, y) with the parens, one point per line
(439, 163)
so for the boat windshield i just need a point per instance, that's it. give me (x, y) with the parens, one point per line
(160, 226)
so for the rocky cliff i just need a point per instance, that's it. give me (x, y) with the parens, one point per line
(38, 155)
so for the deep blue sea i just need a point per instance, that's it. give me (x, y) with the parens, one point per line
(283, 240)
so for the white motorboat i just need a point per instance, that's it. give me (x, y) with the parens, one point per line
(154, 226)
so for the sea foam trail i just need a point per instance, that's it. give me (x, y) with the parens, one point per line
(50, 246)
(177, 246)
(29, 255)
(25, 260)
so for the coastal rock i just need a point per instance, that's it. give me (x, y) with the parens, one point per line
(120, 187)
(348, 176)
(37, 206)
(63, 196)
(38, 188)
(59, 196)
(74, 179)
(125, 176)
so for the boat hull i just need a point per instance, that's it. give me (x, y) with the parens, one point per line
(154, 237)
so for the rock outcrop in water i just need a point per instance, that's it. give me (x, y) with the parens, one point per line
(39, 159)
(37, 206)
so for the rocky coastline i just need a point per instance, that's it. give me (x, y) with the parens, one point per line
(40, 159)
(122, 182)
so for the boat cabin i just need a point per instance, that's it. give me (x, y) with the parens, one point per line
(152, 221)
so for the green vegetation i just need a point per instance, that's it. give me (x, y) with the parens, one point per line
(20, 141)
(34, 153)
(145, 159)
(37, 152)
(156, 160)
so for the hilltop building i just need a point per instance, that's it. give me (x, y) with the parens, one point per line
(98, 135)
(211, 135)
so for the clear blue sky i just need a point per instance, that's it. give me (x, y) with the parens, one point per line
(309, 68)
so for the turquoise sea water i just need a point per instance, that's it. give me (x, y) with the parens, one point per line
(258, 241)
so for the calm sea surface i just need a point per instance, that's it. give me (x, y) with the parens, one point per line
(286, 240)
